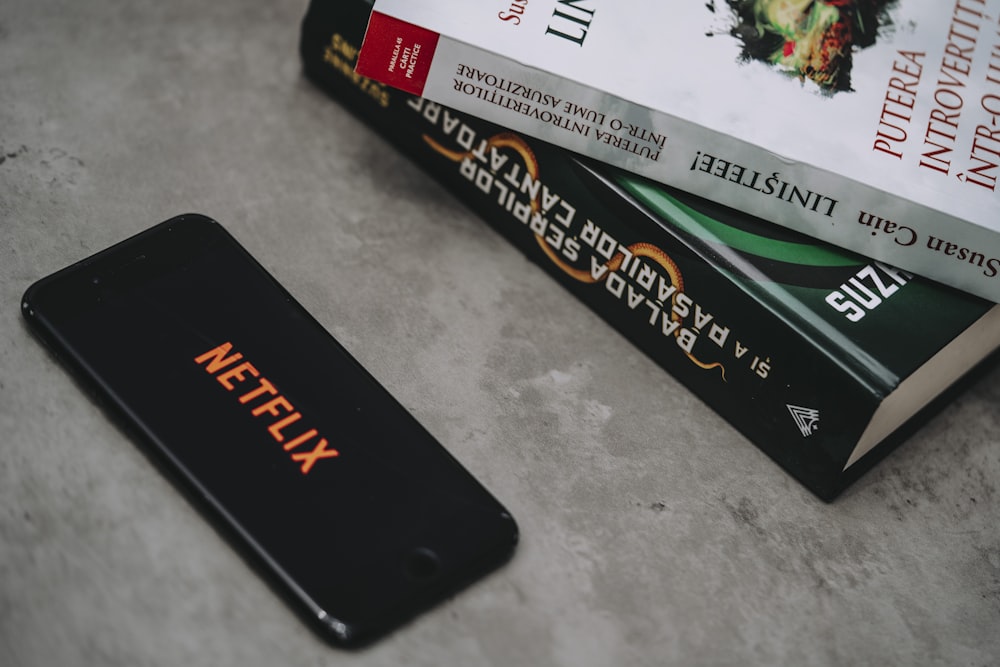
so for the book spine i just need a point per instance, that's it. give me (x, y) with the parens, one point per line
(825, 205)
(801, 404)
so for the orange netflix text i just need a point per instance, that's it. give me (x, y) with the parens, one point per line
(264, 400)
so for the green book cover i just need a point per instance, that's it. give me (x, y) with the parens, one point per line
(824, 359)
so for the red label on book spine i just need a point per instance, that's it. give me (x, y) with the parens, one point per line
(397, 53)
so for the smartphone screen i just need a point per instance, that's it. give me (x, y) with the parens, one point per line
(330, 485)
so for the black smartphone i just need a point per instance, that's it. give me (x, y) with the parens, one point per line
(336, 492)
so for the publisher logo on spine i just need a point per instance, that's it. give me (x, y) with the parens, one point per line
(397, 53)
(807, 419)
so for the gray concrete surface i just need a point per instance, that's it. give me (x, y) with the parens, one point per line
(653, 534)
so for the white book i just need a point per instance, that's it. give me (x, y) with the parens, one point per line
(870, 124)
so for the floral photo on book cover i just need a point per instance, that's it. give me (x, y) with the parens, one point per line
(810, 39)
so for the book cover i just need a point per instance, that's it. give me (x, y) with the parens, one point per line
(871, 124)
(824, 359)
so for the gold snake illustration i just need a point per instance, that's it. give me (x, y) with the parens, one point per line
(641, 249)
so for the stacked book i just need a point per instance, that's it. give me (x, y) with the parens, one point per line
(824, 358)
